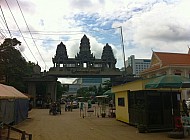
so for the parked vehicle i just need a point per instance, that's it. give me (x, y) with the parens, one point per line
(188, 104)
(75, 104)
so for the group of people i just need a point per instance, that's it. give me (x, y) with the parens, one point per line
(69, 106)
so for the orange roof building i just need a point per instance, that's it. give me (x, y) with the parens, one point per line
(163, 63)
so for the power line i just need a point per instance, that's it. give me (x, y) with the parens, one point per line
(31, 34)
(4, 26)
(111, 36)
(20, 31)
(5, 22)
(9, 31)
(67, 32)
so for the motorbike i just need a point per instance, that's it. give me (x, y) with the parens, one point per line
(54, 109)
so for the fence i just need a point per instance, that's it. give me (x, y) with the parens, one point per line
(98, 111)
(8, 132)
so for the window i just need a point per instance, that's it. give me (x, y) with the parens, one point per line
(121, 102)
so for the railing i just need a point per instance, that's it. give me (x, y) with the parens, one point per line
(97, 110)
(7, 132)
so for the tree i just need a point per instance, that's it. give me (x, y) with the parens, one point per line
(83, 92)
(100, 90)
(61, 89)
(92, 90)
(13, 66)
(107, 85)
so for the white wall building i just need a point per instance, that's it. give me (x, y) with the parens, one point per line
(138, 65)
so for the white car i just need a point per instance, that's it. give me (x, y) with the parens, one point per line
(75, 104)
(188, 104)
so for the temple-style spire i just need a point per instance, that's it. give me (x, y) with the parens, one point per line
(61, 54)
(85, 52)
(108, 56)
(84, 58)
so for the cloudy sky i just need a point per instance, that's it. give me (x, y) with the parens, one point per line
(158, 25)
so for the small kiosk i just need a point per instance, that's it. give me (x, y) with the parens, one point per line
(150, 109)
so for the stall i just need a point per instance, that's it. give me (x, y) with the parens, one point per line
(13, 105)
(152, 110)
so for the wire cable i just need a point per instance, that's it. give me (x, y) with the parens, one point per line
(10, 32)
(20, 31)
(67, 32)
(31, 34)
(3, 26)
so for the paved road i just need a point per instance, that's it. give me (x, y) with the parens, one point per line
(70, 126)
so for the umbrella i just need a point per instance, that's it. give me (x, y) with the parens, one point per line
(168, 81)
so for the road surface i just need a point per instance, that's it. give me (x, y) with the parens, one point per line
(70, 126)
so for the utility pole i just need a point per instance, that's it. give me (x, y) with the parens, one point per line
(123, 47)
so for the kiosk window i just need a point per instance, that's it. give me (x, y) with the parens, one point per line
(121, 102)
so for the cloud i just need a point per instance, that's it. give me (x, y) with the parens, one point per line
(81, 4)
(161, 25)
(159, 28)
(27, 6)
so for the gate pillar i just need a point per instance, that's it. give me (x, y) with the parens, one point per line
(51, 90)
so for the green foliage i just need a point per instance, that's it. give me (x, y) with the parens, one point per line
(83, 92)
(93, 90)
(13, 66)
(100, 91)
(107, 85)
(61, 89)
(87, 92)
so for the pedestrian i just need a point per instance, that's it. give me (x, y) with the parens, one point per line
(185, 109)
(81, 106)
(71, 106)
(89, 104)
(111, 103)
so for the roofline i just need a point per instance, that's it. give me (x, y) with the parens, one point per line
(164, 68)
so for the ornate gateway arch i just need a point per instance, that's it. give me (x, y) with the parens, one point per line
(84, 64)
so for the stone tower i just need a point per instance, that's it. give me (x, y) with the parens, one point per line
(108, 58)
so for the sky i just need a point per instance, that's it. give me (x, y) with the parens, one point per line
(145, 25)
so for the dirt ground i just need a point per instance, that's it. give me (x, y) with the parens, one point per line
(70, 126)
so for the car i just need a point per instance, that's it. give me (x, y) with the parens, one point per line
(75, 104)
(188, 104)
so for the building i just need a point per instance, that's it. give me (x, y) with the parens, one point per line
(85, 82)
(148, 110)
(138, 65)
(154, 109)
(163, 63)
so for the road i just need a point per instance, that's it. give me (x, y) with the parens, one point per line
(70, 126)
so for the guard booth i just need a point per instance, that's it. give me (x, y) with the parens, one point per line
(152, 110)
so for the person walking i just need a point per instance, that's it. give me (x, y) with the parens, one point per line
(81, 106)
(71, 104)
